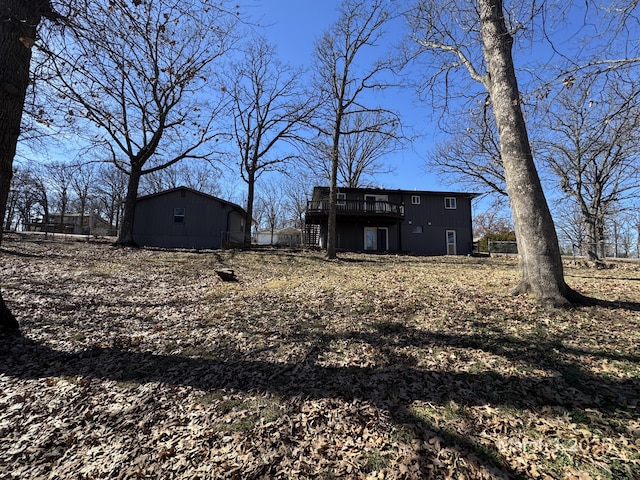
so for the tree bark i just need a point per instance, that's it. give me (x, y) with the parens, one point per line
(332, 236)
(18, 23)
(540, 259)
(125, 236)
(248, 222)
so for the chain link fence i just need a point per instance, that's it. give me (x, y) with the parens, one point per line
(602, 250)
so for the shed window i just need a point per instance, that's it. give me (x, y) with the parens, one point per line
(178, 215)
(450, 203)
(342, 199)
(415, 199)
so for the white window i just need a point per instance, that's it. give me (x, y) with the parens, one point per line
(342, 199)
(450, 203)
(178, 215)
(415, 199)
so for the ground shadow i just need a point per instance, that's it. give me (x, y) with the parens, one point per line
(391, 388)
(15, 253)
(612, 304)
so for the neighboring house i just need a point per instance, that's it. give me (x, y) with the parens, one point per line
(407, 221)
(185, 218)
(285, 236)
(74, 223)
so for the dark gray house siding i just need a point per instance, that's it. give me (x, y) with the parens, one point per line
(185, 218)
(418, 222)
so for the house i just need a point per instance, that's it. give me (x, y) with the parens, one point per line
(185, 218)
(285, 236)
(404, 221)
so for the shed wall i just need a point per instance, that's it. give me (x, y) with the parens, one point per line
(205, 224)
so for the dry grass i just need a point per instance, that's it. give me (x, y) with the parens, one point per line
(144, 364)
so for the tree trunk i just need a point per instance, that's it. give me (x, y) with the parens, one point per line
(10, 211)
(592, 238)
(17, 33)
(540, 259)
(333, 190)
(8, 323)
(125, 237)
(251, 185)
(331, 220)
(15, 57)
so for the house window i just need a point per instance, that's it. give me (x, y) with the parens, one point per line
(415, 199)
(342, 199)
(450, 203)
(417, 229)
(178, 215)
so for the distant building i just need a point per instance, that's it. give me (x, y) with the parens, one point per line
(406, 221)
(283, 237)
(185, 218)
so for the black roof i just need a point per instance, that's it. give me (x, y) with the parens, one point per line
(187, 189)
(391, 190)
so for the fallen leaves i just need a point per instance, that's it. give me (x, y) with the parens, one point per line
(145, 364)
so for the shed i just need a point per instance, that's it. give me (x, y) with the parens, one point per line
(186, 218)
(288, 236)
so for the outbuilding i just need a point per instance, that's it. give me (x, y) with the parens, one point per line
(186, 218)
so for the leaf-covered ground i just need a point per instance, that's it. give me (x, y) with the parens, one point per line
(144, 364)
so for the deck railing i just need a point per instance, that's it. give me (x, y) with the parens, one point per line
(357, 207)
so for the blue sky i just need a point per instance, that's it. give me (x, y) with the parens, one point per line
(293, 26)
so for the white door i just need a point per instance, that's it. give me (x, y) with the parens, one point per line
(451, 242)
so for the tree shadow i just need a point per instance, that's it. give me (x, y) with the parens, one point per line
(392, 387)
(15, 253)
(612, 304)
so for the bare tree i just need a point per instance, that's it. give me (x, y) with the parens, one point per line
(376, 134)
(200, 176)
(476, 37)
(38, 185)
(83, 183)
(623, 234)
(471, 156)
(570, 225)
(13, 199)
(342, 84)
(32, 191)
(492, 220)
(271, 203)
(137, 75)
(269, 109)
(592, 147)
(59, 179)
(110, 193)
(297, 189)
